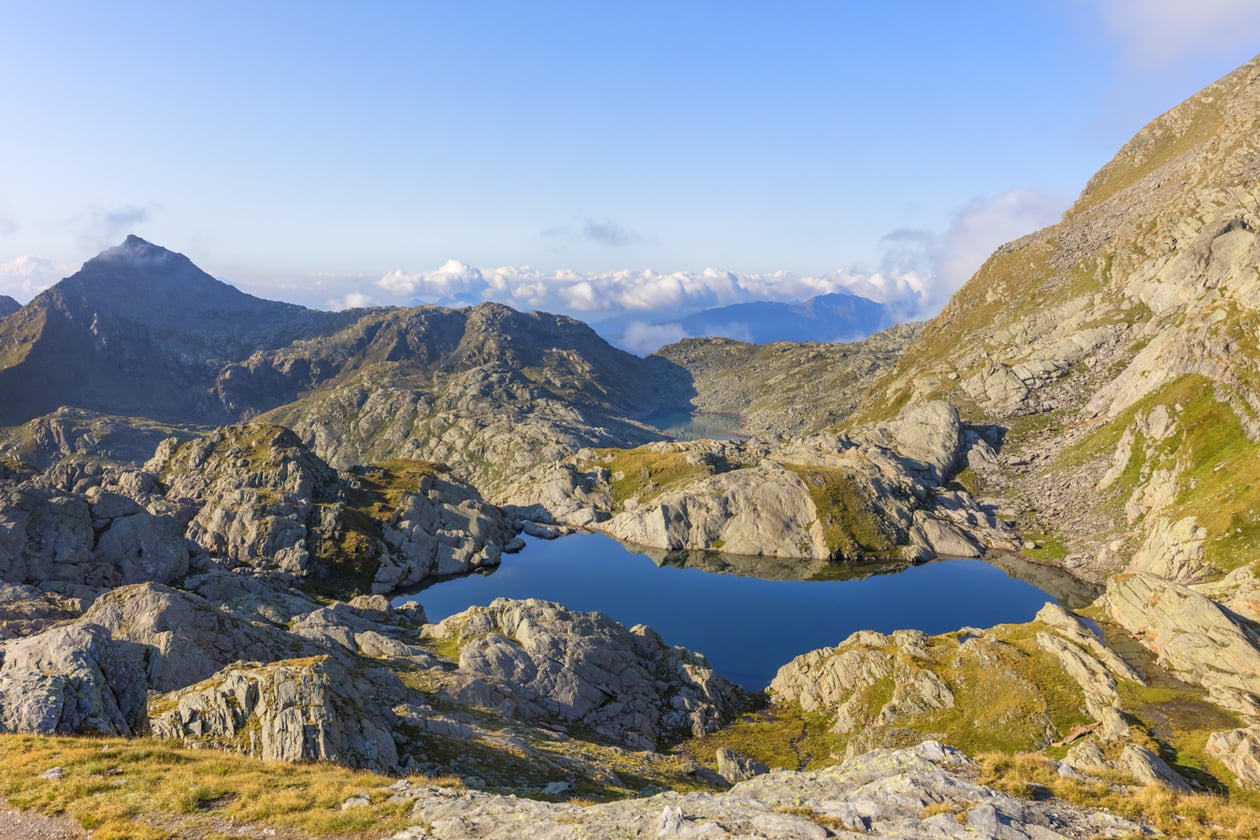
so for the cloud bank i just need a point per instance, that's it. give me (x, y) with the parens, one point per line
(919, 272)
(1156, 33)
(24, 277)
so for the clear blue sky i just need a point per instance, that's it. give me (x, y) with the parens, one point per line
(306, 150)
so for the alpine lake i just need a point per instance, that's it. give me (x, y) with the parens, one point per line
(751, 615)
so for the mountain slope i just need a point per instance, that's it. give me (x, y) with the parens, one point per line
(785, 388)
(139, 330)
(1118, 350)
(141, 339)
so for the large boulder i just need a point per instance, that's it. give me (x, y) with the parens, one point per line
(186, 637)
(72, 679)
(296, 710)
(1192, 636)
(537, 660)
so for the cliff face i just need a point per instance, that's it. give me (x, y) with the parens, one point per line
(1118, 351)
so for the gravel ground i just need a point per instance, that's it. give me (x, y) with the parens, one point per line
(23, 825)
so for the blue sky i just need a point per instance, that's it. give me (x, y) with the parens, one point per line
(588, 157)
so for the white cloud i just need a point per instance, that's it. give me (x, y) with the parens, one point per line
(600, 294)
(351, 300)
(1161, 32)
(24, 277)
(922, 269)
(453, 279)
(643, 338)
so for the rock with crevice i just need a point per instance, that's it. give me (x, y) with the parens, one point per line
(537, 660)
(72, 679)
(1192, 636)
(292, 710)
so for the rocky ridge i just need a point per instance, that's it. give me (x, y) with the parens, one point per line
(885, 494)
(785, 389)
(1109, 345)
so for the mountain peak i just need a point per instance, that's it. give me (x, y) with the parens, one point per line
(136, 250)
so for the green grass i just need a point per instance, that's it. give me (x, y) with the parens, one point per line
(852, 529)
(644, 473)
(1219, 471)
(148, 788)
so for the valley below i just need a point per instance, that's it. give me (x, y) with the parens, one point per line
(993, 576)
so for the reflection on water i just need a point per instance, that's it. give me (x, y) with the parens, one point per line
(686, 425)
(765, 568)
(749, 616)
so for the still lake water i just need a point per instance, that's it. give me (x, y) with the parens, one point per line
(746, 626)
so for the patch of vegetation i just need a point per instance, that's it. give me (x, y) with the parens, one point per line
(852, 529)
(1218, 472)
(1191, 817)
(779, 736)
(147, 788)
(348, 531)
(644, 473)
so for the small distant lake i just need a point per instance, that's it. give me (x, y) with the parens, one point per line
(686, 425)
(747, 626)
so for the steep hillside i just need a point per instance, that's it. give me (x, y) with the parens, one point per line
(785, 388)
(8, 306)
(1118, 351)
(488, 390)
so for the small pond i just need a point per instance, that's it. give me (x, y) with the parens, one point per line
(748, 616)
(698, 425)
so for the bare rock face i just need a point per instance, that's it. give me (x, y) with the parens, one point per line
(1192, 636)
(542, 661)
(255, 487)
(263, 500)
(927, 790)
(70, 680)
(81, 542)
(1239, 750)
(764, 510)
(185, 637)
(292, 710)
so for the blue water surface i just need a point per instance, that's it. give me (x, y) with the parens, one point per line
(747, 627)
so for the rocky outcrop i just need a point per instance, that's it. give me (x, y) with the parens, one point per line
(928, 790)
(1238, 750)
(785, 389)
(70, 680)
(292, 710)
(185, 637)
(1192, 636)
(539, 661)
(84, 542)
(825, 497)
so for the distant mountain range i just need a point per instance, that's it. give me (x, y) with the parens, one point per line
(840, 316)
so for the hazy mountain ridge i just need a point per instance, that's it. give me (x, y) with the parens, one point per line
(786, 388)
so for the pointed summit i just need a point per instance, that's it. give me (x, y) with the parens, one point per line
(138, 330)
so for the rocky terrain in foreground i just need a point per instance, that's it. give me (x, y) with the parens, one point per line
(1090, 397)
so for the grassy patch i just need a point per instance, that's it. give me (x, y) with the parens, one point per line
(779, 736)
(851, 528)
(125, 788)
(644, 473)
(1190, 817)
(1218, 469)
